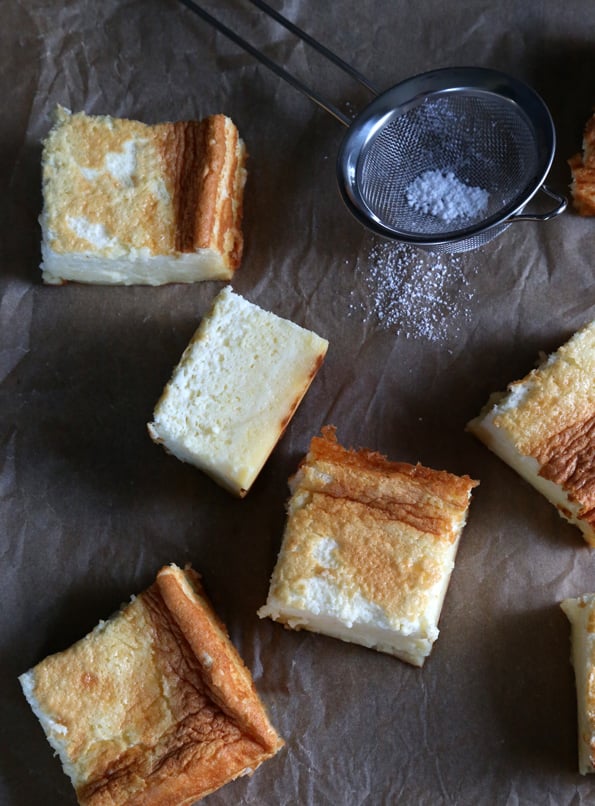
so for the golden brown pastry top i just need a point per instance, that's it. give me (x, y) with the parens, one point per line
(554, 420)
(155, 705)
(111, 185)
(582, 166)
(375, 562)
(427, 500)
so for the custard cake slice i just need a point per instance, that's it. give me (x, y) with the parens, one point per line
(368, 549)
(154, 706)
(129, 203)
(543, 426)
(236, 387)
(581, 614)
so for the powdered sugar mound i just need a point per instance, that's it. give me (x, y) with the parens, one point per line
(444, 196)
(416, 294)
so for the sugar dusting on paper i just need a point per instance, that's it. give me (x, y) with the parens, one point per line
(414, 294)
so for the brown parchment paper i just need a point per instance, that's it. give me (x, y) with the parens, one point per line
(90, 508)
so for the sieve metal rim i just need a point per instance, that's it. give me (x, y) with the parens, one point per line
(399, 98)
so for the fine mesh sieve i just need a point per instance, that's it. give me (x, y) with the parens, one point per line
(482, 128)
(488, 129)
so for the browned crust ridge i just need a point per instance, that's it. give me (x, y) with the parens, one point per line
(423, 498)
(567, 459)
(582, 166)
(194, 153)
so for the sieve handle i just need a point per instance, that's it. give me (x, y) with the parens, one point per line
(314, 43)
(276, 68)
(562, 203)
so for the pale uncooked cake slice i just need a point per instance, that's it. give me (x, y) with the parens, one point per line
(368, 549)
(582, 166)
(581, 614)
(543, 426)
(235, 389)
(129, 203)
(154, 706)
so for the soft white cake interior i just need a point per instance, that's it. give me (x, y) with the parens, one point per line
(51, 728)
(361, 622)
(234, 390)
(133, 267)
(579, 612)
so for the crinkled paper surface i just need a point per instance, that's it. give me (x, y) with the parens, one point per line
(90, 508)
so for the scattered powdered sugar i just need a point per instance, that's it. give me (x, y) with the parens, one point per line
(413, 293)
(443, 195)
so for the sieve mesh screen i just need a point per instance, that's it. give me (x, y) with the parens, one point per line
(485, 140)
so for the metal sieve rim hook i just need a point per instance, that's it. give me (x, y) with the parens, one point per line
(444, 83)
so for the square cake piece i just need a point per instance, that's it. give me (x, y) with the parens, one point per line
(368, 549)
(581, 614)
(128, 203)
(543, 426)
(235, 389)
(155, 704)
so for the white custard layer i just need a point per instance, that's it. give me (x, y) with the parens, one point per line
(134, 267)
(580, 613)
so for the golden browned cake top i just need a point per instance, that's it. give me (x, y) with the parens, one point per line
(113, 185)
(553, 418)
(155, 706)
(367, 563)
(427, 500)
(582, 166)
